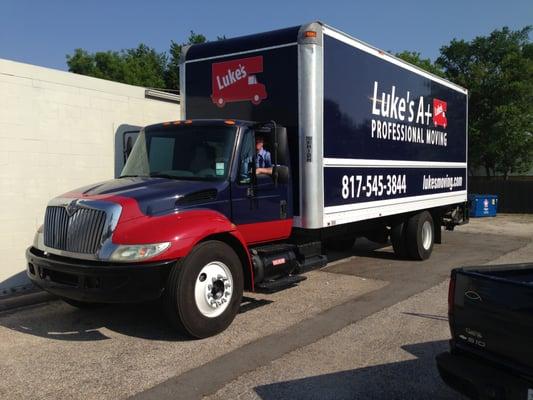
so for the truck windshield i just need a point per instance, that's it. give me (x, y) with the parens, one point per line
(182, 152)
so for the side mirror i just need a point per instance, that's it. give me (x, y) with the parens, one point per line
(280, 173)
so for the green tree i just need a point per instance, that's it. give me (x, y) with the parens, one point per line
(498, 72)
(415, 58)
(144, 67)
(141, 66)
(172, 73)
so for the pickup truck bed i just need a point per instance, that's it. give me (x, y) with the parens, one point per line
(491, 322)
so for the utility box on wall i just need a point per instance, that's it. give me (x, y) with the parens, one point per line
(483, 205)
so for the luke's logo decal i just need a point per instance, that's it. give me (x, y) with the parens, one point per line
(235, 80)
(439, 113)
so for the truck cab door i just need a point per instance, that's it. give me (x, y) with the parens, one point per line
(260, 205)
(125, 137)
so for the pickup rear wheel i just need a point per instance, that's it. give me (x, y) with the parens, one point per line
(204, 290)
(420, 235)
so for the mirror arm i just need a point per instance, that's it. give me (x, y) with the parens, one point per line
(253, 181)
(274, 169)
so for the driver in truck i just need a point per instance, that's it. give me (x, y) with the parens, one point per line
(263, 161)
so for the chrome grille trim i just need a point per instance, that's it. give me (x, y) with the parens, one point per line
(80, 232)
(86, 234)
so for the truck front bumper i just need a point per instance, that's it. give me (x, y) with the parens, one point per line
(97, 282)
(478, 379)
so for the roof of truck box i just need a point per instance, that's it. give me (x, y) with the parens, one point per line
(289, 36)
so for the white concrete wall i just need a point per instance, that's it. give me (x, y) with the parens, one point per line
(57, 133)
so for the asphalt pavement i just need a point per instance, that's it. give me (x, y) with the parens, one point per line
(366, 326)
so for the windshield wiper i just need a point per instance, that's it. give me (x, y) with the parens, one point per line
(132, 176)
(161, 175)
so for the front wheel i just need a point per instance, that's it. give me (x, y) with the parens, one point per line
(204, 290)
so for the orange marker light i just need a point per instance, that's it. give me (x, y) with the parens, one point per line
(229, 122)
(188, 121)
(177, 122)
(310, 34)
(166, 123)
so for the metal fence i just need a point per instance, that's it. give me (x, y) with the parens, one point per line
(515, 195)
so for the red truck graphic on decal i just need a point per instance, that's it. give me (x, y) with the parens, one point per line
(235, 80)
(439, 113)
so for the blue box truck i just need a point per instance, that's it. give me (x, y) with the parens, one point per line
(292, 142)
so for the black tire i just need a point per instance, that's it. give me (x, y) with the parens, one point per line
(179, 297)
(82, 304)
(398, 239)
(420, 235)
(340, 243)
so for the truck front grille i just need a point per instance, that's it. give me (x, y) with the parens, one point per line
(80, 232)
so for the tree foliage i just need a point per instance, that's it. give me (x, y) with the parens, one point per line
(415, 58)
(141, 66)
(498, 72)
(172, 73)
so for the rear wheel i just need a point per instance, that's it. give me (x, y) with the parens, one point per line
(420, 235)
(204, 290)
(399, 239)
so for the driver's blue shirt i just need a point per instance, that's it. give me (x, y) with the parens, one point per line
(263, 159)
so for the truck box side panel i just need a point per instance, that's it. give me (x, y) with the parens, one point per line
(275, 69)
(394, 138)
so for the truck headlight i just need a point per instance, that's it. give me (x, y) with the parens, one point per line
(38, 240)
(138, 252)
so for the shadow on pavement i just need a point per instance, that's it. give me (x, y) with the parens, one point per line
(59, 321)
(411, 379)
(364, 248)
(427, 316)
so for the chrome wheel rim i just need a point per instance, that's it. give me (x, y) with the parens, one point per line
(213, 289)
(427, 235)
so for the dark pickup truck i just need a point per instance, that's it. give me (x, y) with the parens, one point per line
(491, 321)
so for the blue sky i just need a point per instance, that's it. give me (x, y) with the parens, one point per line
(43, 32)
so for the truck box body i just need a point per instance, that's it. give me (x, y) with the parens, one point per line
(491, 322)
(370, 135)
(293, 143)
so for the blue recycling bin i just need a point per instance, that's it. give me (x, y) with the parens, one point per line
(483, 205)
